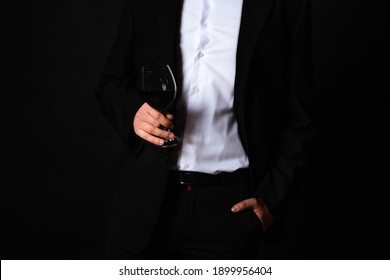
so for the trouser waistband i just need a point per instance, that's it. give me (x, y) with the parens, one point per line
(240, 176)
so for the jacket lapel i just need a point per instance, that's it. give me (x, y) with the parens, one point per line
(167, 13)
(254, 16)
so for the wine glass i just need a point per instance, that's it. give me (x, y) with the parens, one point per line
(157, 86)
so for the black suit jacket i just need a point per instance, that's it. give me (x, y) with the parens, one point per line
(271, 103)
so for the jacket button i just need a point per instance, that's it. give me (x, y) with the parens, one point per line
(166, 157)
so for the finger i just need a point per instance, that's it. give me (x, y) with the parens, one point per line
(249, 203)
(150, 115)
(170, 117)
(258, 207)
(147, 127)
(144, 115)
(150, 138)
(161, 118)
(155, 131)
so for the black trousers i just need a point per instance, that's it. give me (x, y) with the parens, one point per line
(196, 222)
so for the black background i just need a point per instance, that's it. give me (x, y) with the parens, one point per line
(59, 153)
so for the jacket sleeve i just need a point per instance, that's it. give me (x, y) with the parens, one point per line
(296, 132)
(117, 93)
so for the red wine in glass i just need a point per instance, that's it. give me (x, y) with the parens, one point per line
(157, 87)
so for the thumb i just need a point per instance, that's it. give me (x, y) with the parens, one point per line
(249, 203)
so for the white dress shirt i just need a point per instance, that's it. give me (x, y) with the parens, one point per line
(208, 41)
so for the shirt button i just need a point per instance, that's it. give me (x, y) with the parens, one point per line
(204, 24)
(201, 55)
(196, 89)
(186, 166)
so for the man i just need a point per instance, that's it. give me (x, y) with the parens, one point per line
(244, 74)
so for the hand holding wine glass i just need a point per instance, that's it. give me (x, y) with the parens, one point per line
(157, 86)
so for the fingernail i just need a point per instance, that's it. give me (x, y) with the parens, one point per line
(234, 209)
